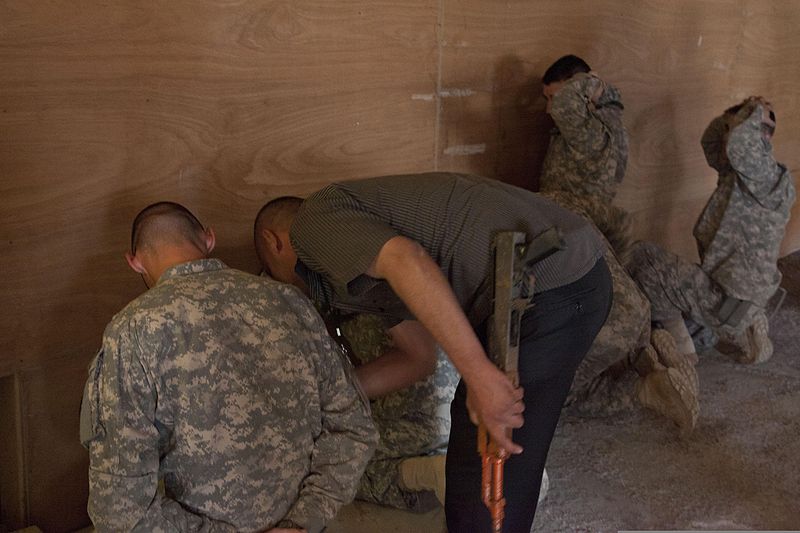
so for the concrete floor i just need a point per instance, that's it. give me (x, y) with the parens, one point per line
(740, 470)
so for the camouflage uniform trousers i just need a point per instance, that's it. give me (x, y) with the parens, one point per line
(412, 422)
(678, 289)
(603, 383)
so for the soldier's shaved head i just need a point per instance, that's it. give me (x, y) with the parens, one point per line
(166, 223)
(272, 241)
(277, 214)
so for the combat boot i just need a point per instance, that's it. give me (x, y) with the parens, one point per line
(755, 344)
(646, 361)
(669, 353)
(423, 473)
(671, 392)
(673, 343)
(670, 384)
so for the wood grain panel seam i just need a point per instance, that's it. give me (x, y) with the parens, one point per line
(21, 428)
(439, 46)
(19, 502)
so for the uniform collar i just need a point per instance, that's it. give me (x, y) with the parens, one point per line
(191, 267)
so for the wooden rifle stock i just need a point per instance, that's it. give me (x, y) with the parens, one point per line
(513, 290)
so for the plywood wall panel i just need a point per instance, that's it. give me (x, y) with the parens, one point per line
(56, 462)
(122, 105)
(677, 63)
(106, 107)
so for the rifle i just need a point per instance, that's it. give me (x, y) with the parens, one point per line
(513, 291)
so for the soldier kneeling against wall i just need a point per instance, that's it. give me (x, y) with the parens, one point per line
(738, 238)
(218, 401)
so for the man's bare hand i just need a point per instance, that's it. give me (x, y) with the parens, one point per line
(494, 401)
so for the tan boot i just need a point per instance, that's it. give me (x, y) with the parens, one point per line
(681, 340)
(424, 473)
(646, 361)
(755, 344)
(672, 392)
(669, 354)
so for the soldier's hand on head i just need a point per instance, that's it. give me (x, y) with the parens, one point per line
(751, 101)
(750, 104)
(766, 119)
(496, 403)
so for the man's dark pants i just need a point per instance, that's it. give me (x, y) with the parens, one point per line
(556, 334)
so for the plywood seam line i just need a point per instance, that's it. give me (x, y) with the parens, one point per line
(13, 476)
(438, 93)
(22, 475)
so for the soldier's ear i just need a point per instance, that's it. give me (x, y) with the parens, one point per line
(271, 241)
(135, 263)
(210, 239)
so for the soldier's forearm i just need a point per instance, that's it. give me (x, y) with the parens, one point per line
(747, 151)
(582, 129)
(125, 503)
(713, 143)
(341, 450)
(338, 464)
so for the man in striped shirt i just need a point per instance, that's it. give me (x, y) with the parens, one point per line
(417, 248)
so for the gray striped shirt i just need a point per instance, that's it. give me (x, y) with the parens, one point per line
(340, 229)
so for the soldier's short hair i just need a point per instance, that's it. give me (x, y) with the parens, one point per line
(165, 222)
(277, 214)
(564, 68)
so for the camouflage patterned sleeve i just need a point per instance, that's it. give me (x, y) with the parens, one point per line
(749, 152)
(346, 442)
(123, 447)
(583, 131)
(713, 143)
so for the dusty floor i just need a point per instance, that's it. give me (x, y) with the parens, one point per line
(740, 470)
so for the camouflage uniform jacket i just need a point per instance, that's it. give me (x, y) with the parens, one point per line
(588, 149)
(740, 230)
(228, 389)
